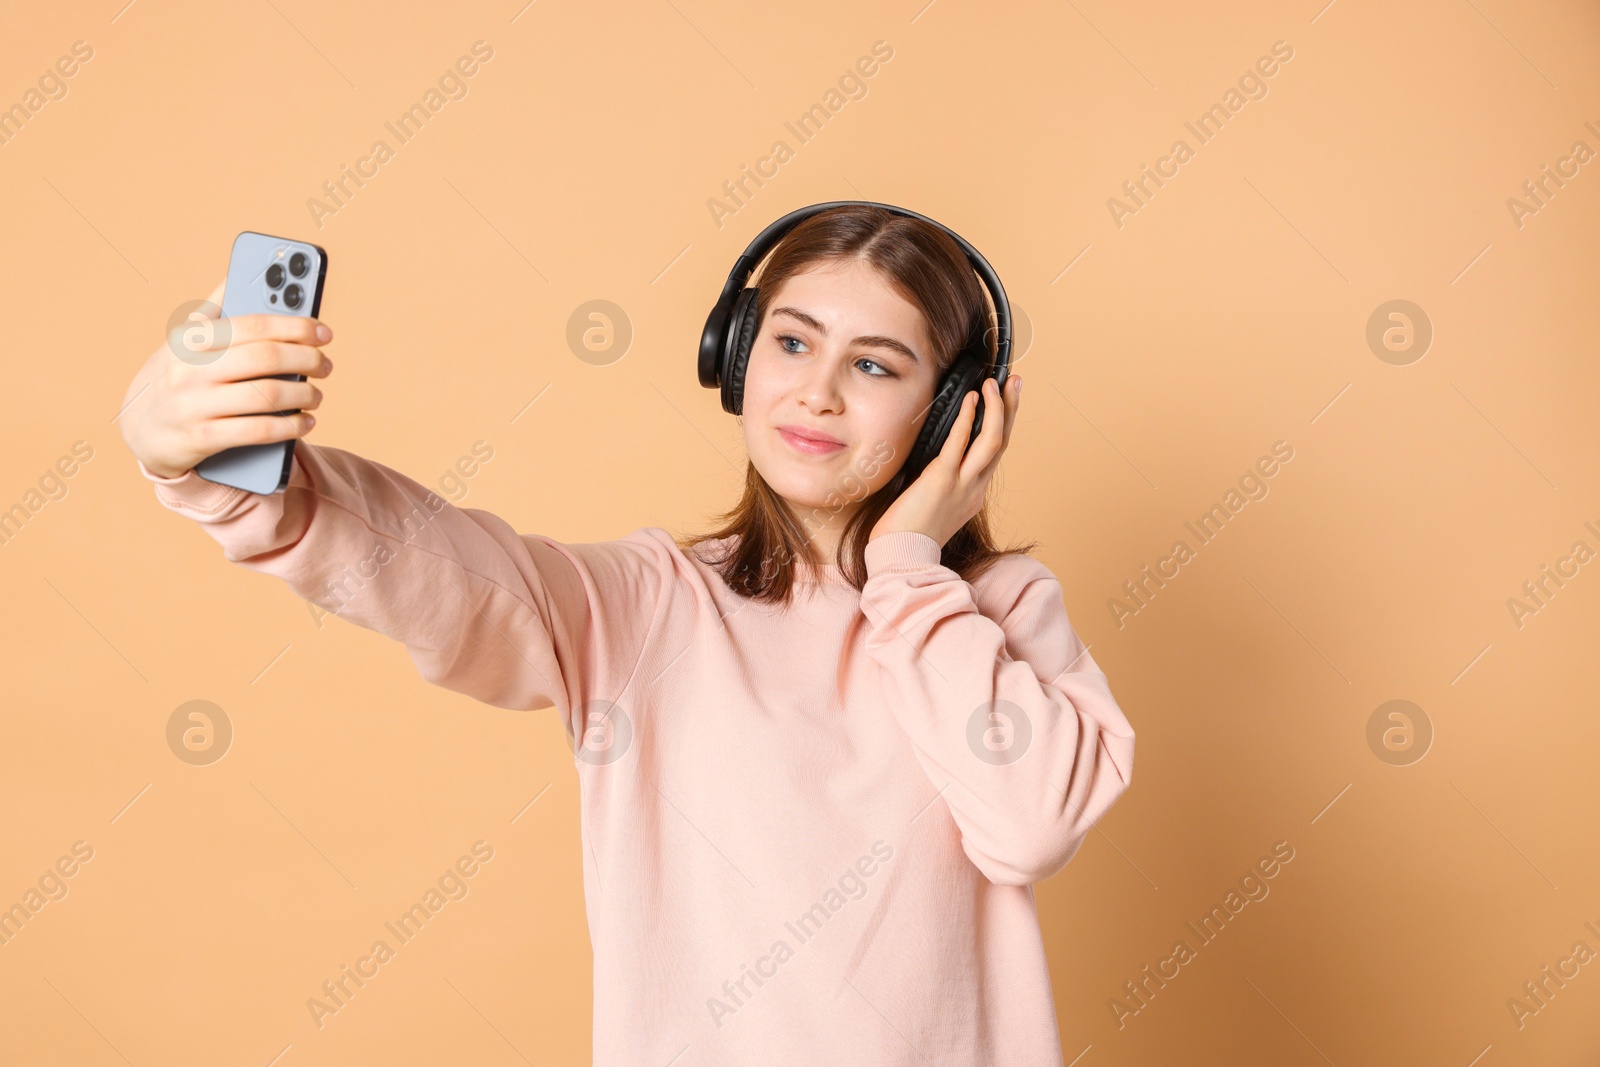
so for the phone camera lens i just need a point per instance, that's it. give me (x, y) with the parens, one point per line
(299, 263)
(292, 297)
(275, 276)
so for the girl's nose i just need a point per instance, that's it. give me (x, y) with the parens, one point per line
(820, 390)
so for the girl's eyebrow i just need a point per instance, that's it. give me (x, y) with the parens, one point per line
(870, 340)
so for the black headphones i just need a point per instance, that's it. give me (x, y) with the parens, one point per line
(731, 330)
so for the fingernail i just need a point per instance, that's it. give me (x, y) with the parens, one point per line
(323, 333)
(311, 420)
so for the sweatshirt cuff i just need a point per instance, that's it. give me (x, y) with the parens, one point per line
(905, 550)
(190, 492)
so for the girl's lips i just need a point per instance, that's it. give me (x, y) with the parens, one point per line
(807, 446)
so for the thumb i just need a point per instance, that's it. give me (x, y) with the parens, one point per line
(216, 300)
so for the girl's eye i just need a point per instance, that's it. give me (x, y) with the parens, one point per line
(783, 340)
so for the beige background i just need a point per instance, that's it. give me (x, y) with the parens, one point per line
(1229, 313)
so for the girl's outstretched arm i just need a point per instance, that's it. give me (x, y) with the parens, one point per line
(516, 621)
(1012, 720)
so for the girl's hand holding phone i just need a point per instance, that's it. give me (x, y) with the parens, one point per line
(220, 393)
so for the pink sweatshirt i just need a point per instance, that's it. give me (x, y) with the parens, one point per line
(809, 835)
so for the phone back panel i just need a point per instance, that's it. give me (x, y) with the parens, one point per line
(264, 468)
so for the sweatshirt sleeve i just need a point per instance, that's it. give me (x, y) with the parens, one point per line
(1012, 720)
(515, 621)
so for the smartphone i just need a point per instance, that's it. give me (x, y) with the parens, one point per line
(275, 276)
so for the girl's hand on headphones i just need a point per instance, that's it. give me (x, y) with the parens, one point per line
(207, 388)
(950, 489)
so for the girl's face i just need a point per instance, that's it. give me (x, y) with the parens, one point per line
(841, 356)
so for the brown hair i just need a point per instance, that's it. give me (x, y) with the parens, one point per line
(926, 266)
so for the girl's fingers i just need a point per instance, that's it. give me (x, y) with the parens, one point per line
(997, 411)
(1011, 408)
(216, 297)
(215, 435)
(960, 430)
(261, 396)
(989, 442)
(996, 432)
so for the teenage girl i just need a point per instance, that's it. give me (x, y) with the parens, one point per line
(823, 751)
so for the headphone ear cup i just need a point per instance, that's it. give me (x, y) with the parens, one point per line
(741, 336)
(964, 375)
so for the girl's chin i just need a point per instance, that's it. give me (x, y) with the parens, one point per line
(808, 494)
